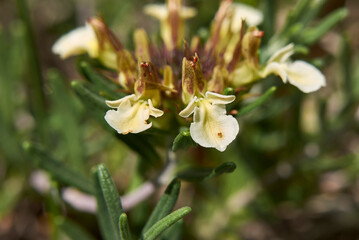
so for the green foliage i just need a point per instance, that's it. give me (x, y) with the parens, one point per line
(258, 102)
(165, 223)
(196, 175)
(56, 169)
(165, 204)
(108, 203)
(183, 141)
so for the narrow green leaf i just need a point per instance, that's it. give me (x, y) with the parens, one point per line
(347, 68)
(95, 103)
(102, 83)
(35, 80)
(183, 141)
(174, 232)
(196, 175)
(312, 35)
(72, 229)
(165, 223)
(124, 227)
(294, 15)
(165, 204)
(97, 108)
(108, 203)
(262, 99)
(56, 169)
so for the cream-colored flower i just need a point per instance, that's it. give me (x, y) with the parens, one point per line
(171, 17)
(85, 40)
(298, 73)
(78, 41)
(131, 115)
(253, 16)
(211, 127)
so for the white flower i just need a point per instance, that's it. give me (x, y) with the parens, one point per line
(211, 126)
(253, 16)
(78, 41)
(298, 73)
(131, 115)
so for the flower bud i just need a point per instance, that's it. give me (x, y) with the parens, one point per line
(193, 82)
(219, 80)
(126, 67)
(250, 45)
(147, 84)
(142, 45)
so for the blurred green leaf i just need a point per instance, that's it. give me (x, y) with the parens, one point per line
(165, 204)
(101, 82)
(65, 120)
(183, 141)
(201, 174)
(94, 103)
(72, 229)
(97, 108)
(108, 203)
(42, 159)
(165, 223)
(10, 192)
(124, 228)
(262, 99)
(174, 232)
(312, 35)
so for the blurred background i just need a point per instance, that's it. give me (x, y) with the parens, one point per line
(297, 156)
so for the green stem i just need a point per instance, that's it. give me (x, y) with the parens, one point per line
(35, 80)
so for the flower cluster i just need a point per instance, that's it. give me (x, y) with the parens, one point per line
(229, 58)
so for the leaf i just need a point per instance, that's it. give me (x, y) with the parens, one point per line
(101, 82)
(57, 169)
(94, 103)
(125, 233)
(97, 108)
(165, 204)
(72, 229)
(108, 203)
(201, 174)
(262, 99)
(65, 120)
(183, 141)
(165, 223)
(174, 232)
(312, 35)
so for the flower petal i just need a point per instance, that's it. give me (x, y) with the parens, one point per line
(189, 109)
(154, 111)
(78, 41)
(275, 68)
(116, 103)
(216, 98)
(304, 76)
(252, 16)
(129, 118)
(158, 11)
(282, 54)
(212, 128)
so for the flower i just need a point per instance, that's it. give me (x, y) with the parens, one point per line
(171, 16)
(211, 127)
(252, 16)
(153, 78)
(131, 115)
(298, 73)
(78, 41)
(94, 38)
